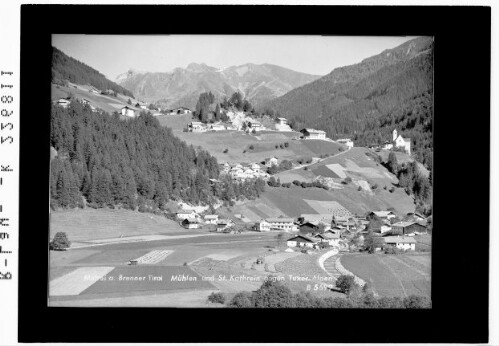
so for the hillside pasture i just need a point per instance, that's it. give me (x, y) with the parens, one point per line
(176, 122)
(107, 103)
(390, 275)
(90, 224)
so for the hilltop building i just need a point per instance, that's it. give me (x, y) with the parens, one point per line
(313, 134)
(64, 103)
(401, 142)
(128, 111)
(346, 141)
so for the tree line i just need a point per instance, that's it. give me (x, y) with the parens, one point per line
(66, 68)
(103, 161)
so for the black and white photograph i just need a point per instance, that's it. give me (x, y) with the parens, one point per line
(241, 171)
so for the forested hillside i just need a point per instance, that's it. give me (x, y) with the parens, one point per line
(105, 161)
(366, 101)
(66, 68)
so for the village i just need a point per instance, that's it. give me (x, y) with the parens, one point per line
(344, 231)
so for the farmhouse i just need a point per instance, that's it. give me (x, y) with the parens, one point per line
(255, 125)
(330, 238)
(346, 141)
(95, 91)
(309, 227)
(313, 134)
(401, 142)
(85, 101)
(129, 112)
(417, 217)
(387, 145)
(186, 214)
(301, 241)
(211, 219)
(262, 226)
(63, 102)
(384, 215)
(190, 223)
(217, 127)
(269, 162)
(196, 126)
(402, 243)
(402, 228)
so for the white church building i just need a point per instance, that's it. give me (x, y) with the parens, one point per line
(401, 142)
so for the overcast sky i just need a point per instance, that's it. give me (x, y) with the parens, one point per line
(113, 55)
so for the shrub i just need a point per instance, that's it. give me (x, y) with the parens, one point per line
(346, 181)
(374, 187)
(277, 146)
(345, 283)
(286, 144)
(305, 169)
(60, 242)
(391, 250)
(251, 147)
(384, 187)
(217, 297)
(226, 151)
(296, 182)
(242, 300)
(359, 188)
(281, 146)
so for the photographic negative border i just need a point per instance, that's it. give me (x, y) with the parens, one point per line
(460, 264)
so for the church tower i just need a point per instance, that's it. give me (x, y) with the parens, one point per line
(395, 134)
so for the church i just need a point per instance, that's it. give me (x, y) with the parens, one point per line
(401, 142)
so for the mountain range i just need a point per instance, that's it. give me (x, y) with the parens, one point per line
(182, 86)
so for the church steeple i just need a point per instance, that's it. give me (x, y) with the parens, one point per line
(395, 135)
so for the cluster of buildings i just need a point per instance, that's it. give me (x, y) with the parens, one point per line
(65, 102)
(241, 172)
(189, 219)
(338, 231)
(397, 142)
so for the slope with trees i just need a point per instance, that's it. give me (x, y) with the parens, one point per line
(66, 68)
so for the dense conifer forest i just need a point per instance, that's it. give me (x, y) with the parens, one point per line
(104, 161)
(66, 68)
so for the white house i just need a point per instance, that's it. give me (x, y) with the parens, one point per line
(63, 102)
(346, 141)
(211, 219)
(313, 134)
(186, 214)
(197, 126)
(129, 112)
(401, 142)
(387, 146)
(301, 241)
(271, 162)
(95, 91)
(286, 224)
(85, 101)
(332, 239)
(262, 226)
(402, 243)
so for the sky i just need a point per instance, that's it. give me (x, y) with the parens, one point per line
(319, 55)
